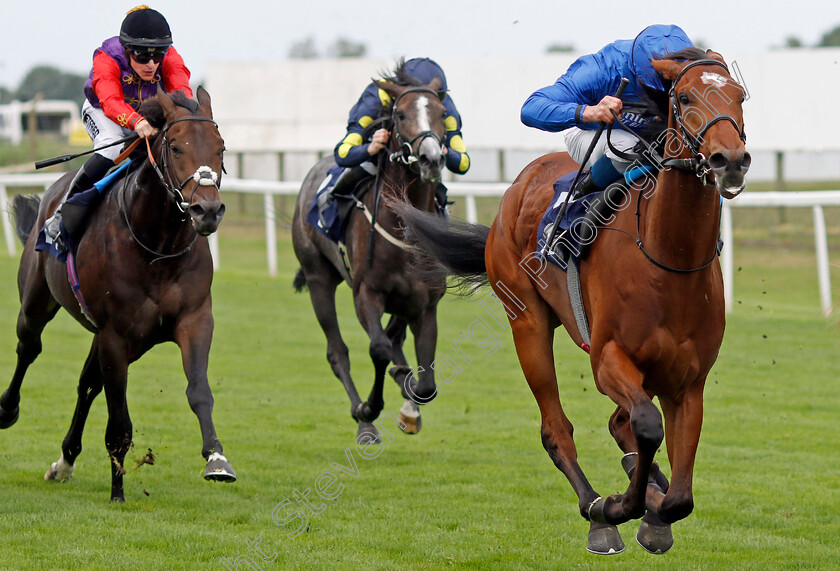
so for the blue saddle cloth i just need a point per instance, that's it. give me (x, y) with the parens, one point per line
(575, 211)
(85, 198)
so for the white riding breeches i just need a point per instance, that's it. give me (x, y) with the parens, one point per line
(102, 130)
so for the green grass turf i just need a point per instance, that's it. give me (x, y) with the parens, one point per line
(474, 490)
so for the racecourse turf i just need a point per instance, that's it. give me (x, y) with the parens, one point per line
(473, 490)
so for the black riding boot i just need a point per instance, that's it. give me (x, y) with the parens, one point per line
(585, 185)
(347, 181)
(75, 216)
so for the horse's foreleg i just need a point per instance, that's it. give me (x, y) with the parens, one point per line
(118, 432)
(684, 420)
(90, 385)
(37, 308)
(619, 379)
(193, 335)
(424, 329)
(369, 310)
(653, 535)
(410, 411)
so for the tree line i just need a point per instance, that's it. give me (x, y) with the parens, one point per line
(53, 83)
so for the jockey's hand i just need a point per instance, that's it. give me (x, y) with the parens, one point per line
(601, 112)
(379, 140)
(144, 129)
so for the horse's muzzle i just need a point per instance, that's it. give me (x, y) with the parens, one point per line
(431, 160)
(730, 168)
(206, 216)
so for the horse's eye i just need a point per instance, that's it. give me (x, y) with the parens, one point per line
(400, 115)
(176, 150)
(684, 99)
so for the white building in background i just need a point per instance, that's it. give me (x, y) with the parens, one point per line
(56, 117)
(300, 107)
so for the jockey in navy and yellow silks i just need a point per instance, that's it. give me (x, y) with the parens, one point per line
(352, 150)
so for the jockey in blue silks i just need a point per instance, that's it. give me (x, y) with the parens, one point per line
(582, 98)
(357, 156)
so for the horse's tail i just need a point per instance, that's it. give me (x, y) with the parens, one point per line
(457, 246)
(299, 282)
(25, 208)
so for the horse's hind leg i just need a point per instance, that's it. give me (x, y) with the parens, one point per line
(653, 535)
(322, 284)
(37, 308)
(410, 411)
(533, 339)
(90, 385)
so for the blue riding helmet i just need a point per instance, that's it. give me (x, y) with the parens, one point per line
(653, 42)
(425, 70)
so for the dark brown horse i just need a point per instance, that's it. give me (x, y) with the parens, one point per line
(653, 295)
(145, 270)
(384, 280)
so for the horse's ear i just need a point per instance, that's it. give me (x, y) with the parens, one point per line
(391, 89)
(669, 69)
(203, 99)
(165, 102)
(435, 85)
(711, 54)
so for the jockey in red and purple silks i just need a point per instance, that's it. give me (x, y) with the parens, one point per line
(127, 70)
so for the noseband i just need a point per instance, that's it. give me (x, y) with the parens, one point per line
(405, 148)
(203, 176)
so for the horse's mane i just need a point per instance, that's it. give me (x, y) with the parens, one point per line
(152, 111)
(656, 101)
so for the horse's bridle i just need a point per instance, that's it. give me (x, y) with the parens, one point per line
(699, 162)
(203, 176)
(405, 148)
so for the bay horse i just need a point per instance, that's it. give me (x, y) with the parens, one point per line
(652, 291)
(144, 270)
(378, 266)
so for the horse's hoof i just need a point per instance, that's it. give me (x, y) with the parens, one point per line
(219, 469)
(654, 538)
(604, 540)
(368, 434)
(410, 417)
(59, 470)
(118, 500)
(8, 418)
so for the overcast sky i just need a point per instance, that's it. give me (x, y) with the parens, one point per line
(64, 33)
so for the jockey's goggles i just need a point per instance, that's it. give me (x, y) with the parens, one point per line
(145, 55)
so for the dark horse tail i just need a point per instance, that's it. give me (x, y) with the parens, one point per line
(457, 247)
(300, 281)
(25, 209)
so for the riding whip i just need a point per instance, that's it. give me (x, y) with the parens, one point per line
(65, 158)
(618, 92)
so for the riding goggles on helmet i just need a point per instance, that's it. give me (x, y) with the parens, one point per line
(145, 55)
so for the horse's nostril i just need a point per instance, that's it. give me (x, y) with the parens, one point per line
(746, 161)
(717, 161)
